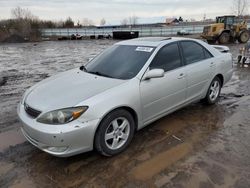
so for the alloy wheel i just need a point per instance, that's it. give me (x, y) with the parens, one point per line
(117, 133)
(214, 90)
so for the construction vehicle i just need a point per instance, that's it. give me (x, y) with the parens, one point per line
(226, 29)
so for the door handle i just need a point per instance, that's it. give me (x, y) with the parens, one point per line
(182, 75)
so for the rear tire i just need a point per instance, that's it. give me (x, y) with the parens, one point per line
(224, 38)
(114, 133)
(213, 92)
(244, 37)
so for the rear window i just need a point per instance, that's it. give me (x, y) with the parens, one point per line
(194, 52)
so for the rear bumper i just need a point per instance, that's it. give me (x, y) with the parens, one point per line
(228, 75)
(59, 140)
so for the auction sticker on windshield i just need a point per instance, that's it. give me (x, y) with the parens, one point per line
(144, 49)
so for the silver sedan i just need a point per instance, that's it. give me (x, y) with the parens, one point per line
(128, 86)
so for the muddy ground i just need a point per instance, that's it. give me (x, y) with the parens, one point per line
(198, 146)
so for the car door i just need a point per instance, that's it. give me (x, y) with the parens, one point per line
(159, 95)
(199, 68)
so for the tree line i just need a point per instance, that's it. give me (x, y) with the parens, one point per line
(26, 24)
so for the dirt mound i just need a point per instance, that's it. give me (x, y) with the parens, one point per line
(14, 39)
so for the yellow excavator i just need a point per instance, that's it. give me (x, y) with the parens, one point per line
(227, 29)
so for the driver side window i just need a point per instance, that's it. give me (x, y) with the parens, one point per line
(168, 58)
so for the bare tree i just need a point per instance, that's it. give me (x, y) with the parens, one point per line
(69, 23)
(17, 13)
(87, 22)
(133, 20)
(59, 24)
(102, 22)
(240, 7)
(25, 24)
(21, 13)
(124, 22)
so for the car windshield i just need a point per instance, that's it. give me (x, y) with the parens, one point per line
(120, 61)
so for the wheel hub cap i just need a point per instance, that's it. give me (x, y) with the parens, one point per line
(117, 133)
(214, 90)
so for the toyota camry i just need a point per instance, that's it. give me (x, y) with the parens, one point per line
(127, 87)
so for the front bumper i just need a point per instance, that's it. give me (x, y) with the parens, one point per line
(59, 140)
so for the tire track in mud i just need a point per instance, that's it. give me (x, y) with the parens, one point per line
(21, 66)
(10, 94)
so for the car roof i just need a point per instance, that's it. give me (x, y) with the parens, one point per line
(152, 41)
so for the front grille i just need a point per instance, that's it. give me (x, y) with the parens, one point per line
(31, 111)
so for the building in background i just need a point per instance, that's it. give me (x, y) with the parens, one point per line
(172, 21)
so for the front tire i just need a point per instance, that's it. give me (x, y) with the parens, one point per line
(244, 37)
(213, 92)
(115, 132)
(224, 38)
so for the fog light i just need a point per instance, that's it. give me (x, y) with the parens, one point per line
(57, 149)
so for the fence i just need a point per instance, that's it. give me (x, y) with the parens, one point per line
(143, 31)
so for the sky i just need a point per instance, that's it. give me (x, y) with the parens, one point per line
(113, 11)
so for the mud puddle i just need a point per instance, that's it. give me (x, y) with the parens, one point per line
(198, 146)
(10, 138)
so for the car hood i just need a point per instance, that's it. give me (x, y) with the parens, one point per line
(67, 90)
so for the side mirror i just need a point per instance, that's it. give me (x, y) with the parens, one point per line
(154, 73)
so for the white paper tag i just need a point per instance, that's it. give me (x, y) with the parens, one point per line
(144, 49)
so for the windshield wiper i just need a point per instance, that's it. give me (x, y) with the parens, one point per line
(100, 74)
(83, 68)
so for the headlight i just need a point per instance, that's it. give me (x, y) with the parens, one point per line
(62, 116)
